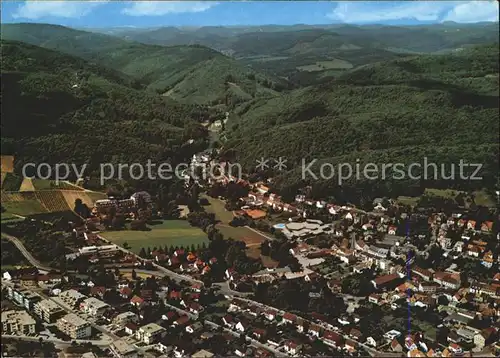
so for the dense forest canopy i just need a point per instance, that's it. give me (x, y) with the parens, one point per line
(57, 108)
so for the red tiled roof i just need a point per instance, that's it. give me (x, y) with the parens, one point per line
(290, 317)
(332, 336)
(136, 299)
(386, 279)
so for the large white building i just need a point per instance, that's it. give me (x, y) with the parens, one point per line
(17, 322)
(74, 326)
(150, 333)
(93, 307)
(48, 310)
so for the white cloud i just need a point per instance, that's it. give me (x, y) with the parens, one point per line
(34, 9)
(473, 11)
(159, 8)
(371, 12)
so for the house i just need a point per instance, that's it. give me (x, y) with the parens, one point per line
(448, 280)
(98, 291)
(488, 260)
(455, 348)
(131, 328)
(332, 339)
(270, 314)
(228, 321)
(169, 316)
(259, 333)
(313, 276)
(136, 301)
(473, 250)
(370, 341)
(392, 230)
(471, 225)
(424, 273)
(230, 273)
(194, 327)
(242, 326)
(350, 345)
(487, 226)
(385, 281)
(396, 346)
(289, 318)
(314, 330)
(355, 334)
(237, 305)
(374, 298)
(292, 347)
(181, 321)
(195, 307)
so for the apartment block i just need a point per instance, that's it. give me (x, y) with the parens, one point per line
(72, 298)
(17, 322)
(93, 306)
(48, 311)
(122, 349)
(74, 326)
(150, 333)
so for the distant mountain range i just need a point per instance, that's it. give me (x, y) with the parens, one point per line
(379, 93)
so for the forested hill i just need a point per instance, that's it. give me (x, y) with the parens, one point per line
(444, 107)
(193, 74)
(58, 108)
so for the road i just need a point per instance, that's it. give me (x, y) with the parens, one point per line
(26, 253)
(56, 341)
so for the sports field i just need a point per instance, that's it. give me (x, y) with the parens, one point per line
(168, 233)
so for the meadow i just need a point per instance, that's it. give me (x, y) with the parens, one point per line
(167, 233)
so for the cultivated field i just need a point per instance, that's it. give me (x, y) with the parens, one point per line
(53, 200)
(168, 233)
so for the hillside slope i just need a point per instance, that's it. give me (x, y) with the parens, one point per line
(193, 74)
(58, 108)
(441, 107)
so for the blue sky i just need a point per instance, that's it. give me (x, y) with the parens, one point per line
(226, 13)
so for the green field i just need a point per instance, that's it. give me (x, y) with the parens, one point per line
(217, 207)
(250, 237)
(480, 197)
(24, 208)
(168, 233)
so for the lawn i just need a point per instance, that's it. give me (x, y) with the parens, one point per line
(217, 207)
(24, 208)
(167, 233)
(250, 237)
(480, 197)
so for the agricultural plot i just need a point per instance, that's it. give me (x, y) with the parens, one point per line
(11, 182)
(168, 233)
(53, 200)
(24, 208)
(41, 184)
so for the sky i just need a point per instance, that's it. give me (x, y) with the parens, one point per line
(102, 14)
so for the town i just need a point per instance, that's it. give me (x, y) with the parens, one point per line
(337, 281)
